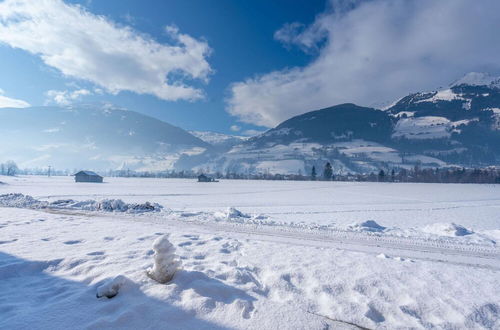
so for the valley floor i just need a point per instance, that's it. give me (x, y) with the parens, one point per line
(287, 255)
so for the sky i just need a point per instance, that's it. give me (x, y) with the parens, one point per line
(237, 66)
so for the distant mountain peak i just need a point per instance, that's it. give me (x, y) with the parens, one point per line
(218, 139)
(478, 79)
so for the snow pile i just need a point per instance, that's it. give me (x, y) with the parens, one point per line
(166, 261)
(107, 205)
(111, 288)
(21, 201)
(367, 226)
(231, 213)
(447, 229)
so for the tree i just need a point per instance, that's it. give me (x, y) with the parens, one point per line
(393, 175)
(313, 173)
(381, 176)
(328, 172)
(11, 168)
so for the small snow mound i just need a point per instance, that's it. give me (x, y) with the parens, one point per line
(21, 201)
(447, 229)
(166, 262)
(232, 213)
(111, 288)
(367, 226)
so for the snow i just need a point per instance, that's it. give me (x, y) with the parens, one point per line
(284, 166)
(106, 205)
(166, 261)
(217, 139)
(111, 288)
(429, 127)
(478, 79)
(299, 255)
(443, 95)
(447, 229)
(369, 225)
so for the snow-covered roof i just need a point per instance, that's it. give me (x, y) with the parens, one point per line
(89, 173)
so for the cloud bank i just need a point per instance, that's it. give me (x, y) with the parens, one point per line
(93, 48)
(373, 52)
(7, 102)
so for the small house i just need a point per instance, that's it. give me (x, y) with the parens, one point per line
(88, 176)
(205, 178)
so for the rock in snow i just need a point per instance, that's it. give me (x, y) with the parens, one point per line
(166, 262)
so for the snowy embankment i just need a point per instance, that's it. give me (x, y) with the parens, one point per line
(105, 205)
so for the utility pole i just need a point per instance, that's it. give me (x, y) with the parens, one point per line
(49, 171)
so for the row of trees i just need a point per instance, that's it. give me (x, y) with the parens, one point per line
(9, 168)
(416, 174)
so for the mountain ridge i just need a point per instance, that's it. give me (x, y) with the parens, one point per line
(454, 126)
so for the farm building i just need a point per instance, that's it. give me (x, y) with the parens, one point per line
(87, 176)
(205, 178)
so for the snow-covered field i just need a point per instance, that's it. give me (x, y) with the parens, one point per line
(255, 254)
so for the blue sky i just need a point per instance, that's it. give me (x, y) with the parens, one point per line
(236, 66)
(240, 34)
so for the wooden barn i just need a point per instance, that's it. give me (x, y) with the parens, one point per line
(205, 178)
(88, 176)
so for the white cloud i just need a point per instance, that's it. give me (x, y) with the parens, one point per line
(7, 102)
(373, 52)
(93, 48)
(66, 97)
(235, 128)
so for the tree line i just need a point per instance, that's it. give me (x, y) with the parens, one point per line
(416, 174)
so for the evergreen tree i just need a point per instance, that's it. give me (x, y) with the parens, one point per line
(381, 176)
(313, 173)
(328, 172)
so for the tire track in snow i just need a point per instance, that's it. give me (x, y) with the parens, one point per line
(471, 255)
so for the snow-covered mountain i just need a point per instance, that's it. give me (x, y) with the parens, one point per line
(92, 137)
(459, 125)
(219, 140)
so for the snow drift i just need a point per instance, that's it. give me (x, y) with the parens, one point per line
(367, 226)
(111, 288)
(106, 205)
(447, 229)
(21, 201)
